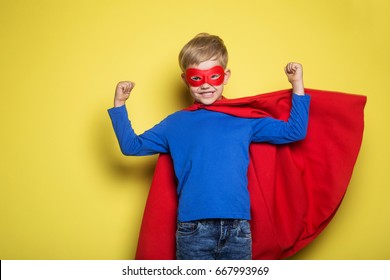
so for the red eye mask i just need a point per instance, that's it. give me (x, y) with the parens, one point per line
(213, 76)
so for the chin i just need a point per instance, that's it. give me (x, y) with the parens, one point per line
(207, 101)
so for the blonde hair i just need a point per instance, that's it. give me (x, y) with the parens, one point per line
(201, 48)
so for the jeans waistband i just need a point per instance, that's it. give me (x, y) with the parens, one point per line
(226, 222)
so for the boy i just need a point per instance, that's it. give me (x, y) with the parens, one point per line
(210, 152)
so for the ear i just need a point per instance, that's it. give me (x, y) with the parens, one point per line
(183, 77)
(227, 76)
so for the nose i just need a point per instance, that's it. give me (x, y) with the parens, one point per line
(205, 86)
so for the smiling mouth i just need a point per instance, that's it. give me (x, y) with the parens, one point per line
(207, 93)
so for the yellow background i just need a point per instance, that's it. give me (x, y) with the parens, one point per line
(66, 190)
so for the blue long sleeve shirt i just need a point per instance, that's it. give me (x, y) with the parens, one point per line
(210, 152)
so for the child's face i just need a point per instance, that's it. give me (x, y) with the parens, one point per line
(206, 87)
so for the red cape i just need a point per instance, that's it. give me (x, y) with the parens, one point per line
(295, 189)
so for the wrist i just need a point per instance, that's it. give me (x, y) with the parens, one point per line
(298, 88)
(119, 103)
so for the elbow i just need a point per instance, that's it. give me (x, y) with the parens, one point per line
(298, 132)
(125, 151)
(130, 149)
(297, 135)
(302, 135)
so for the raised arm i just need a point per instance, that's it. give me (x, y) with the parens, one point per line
(295, 129)
(150, 142)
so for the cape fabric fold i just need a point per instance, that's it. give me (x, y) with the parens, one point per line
(295, 189)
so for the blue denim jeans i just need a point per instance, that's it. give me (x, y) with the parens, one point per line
(214, 239)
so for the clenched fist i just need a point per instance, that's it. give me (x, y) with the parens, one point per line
(294, 72)
(122, 92)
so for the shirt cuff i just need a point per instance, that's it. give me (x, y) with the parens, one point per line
(117, 110)
(301, 96)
